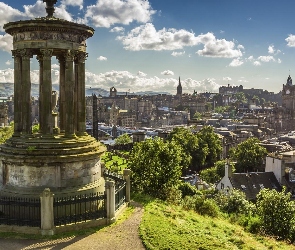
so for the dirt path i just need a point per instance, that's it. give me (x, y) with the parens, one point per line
(124, 236)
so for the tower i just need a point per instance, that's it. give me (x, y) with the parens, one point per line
(179, 88)
(288, 103)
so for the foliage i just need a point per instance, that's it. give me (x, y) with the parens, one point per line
(191, 152)
(155, 165)
(187, 189)
(210, 141)
(123, 139)
(35, 128)
(197, 116)
(165, 226)
(114, 162)
(210, 175)
(6, 133)
(277, 212)
(234, 201)
(249, 155)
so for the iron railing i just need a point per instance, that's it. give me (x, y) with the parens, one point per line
(79, 208)
(20, 211)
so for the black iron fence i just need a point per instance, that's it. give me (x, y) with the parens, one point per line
(79, 208)
(120, 187)
(20, 211)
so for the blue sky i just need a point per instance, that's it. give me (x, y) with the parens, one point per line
(147, 44)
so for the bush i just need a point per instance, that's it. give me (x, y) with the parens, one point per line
(171, 195)
(208, 207)
(187, 189)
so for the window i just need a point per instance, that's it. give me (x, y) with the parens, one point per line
(222, 186)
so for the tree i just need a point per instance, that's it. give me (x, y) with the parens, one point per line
(155, 166)
(197, 116)
(123, 139)
(192, 154)
(249, 155)
(6, 132)
(240, 98)
(277, 212)
(209, 140)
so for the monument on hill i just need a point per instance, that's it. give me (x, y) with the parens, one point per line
(62, 156)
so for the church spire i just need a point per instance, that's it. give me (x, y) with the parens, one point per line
(179, 88)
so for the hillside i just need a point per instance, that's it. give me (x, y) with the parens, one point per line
(170, 227)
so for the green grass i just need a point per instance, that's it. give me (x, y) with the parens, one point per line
(171, 227)
(110, 162)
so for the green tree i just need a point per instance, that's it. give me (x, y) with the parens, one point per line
(123, 139)
(197, 116)
(249, 155)
(240, 98)
(35, 128)
(209, 140)
(192, 154)
(277, 212)
(6, 132)
(155, 166)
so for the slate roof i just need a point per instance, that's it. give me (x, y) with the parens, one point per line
(251, 183)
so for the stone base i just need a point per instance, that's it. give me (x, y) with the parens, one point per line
(31, 164)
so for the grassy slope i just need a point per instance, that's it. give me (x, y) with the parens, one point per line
(171, 227)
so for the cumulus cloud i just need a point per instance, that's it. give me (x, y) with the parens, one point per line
(290, 40)
(73, 3)
(102, 58)
(226, 78)
(106, 13)
(141, 74)
(279, 60)
(8, 62)
(266, 58)
(6, 42)
(146, 37)
(167, 73)
(174, 53)
(8, 14)
(118, 29)
(271, 49)
(256, 63)
(236, 62)
(7, 75)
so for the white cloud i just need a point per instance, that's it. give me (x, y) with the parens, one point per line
(271, 49)
(8, 62)
(236, 62)
(118, 29)
(266, 58)
(141, 74)
(146, 37)
(279, 60)
(240, 46)
(73, 3)
(290, 40)
(256, 63)
(102, 58)
(174, 53)
(106, 13)
(8, 14)
(226, 78)
(55, 66)
(7, 76)
(221, 31)
(250, 58)
(167, 73)
(6, 42)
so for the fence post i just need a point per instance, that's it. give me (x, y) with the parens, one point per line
(47, 217)
(126, 174)
(110, 190)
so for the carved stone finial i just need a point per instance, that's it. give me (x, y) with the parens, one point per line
(50, 7)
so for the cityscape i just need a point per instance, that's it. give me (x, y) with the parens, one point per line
(144, 124)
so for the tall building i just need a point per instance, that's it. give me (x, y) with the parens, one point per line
(288, 104)
(179, 88)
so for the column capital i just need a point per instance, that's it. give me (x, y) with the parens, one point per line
(70, 55)
(46, 53)
(81, 57)
(26, 53)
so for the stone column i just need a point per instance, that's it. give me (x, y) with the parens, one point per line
(69, 93)
(47, 215)
(126, 174)
(80, 93)
(26, 55)
(17, 93)
(62, 98)
(46, 92)
(110, 191)
(39, 58)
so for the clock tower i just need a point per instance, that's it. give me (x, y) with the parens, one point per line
(288, 104)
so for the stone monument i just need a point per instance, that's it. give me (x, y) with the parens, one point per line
(62, 156)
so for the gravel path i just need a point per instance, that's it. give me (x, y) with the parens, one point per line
(124, 236)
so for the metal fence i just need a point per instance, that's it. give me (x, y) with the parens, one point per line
(20, 211)
(120, 188)
(79, 208)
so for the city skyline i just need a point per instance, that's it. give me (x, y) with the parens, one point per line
(146, 45)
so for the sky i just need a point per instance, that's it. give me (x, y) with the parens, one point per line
(146, 45)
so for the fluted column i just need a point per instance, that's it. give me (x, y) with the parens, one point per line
(62, 97)
(80, 92)
(17, 93)
(46, 92)
(26, 55)
(41, 113)
(69, 93)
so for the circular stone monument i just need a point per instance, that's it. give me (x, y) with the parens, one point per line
(62, 156)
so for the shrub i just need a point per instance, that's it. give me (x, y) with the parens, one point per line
(208, 207)
(187, 189)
